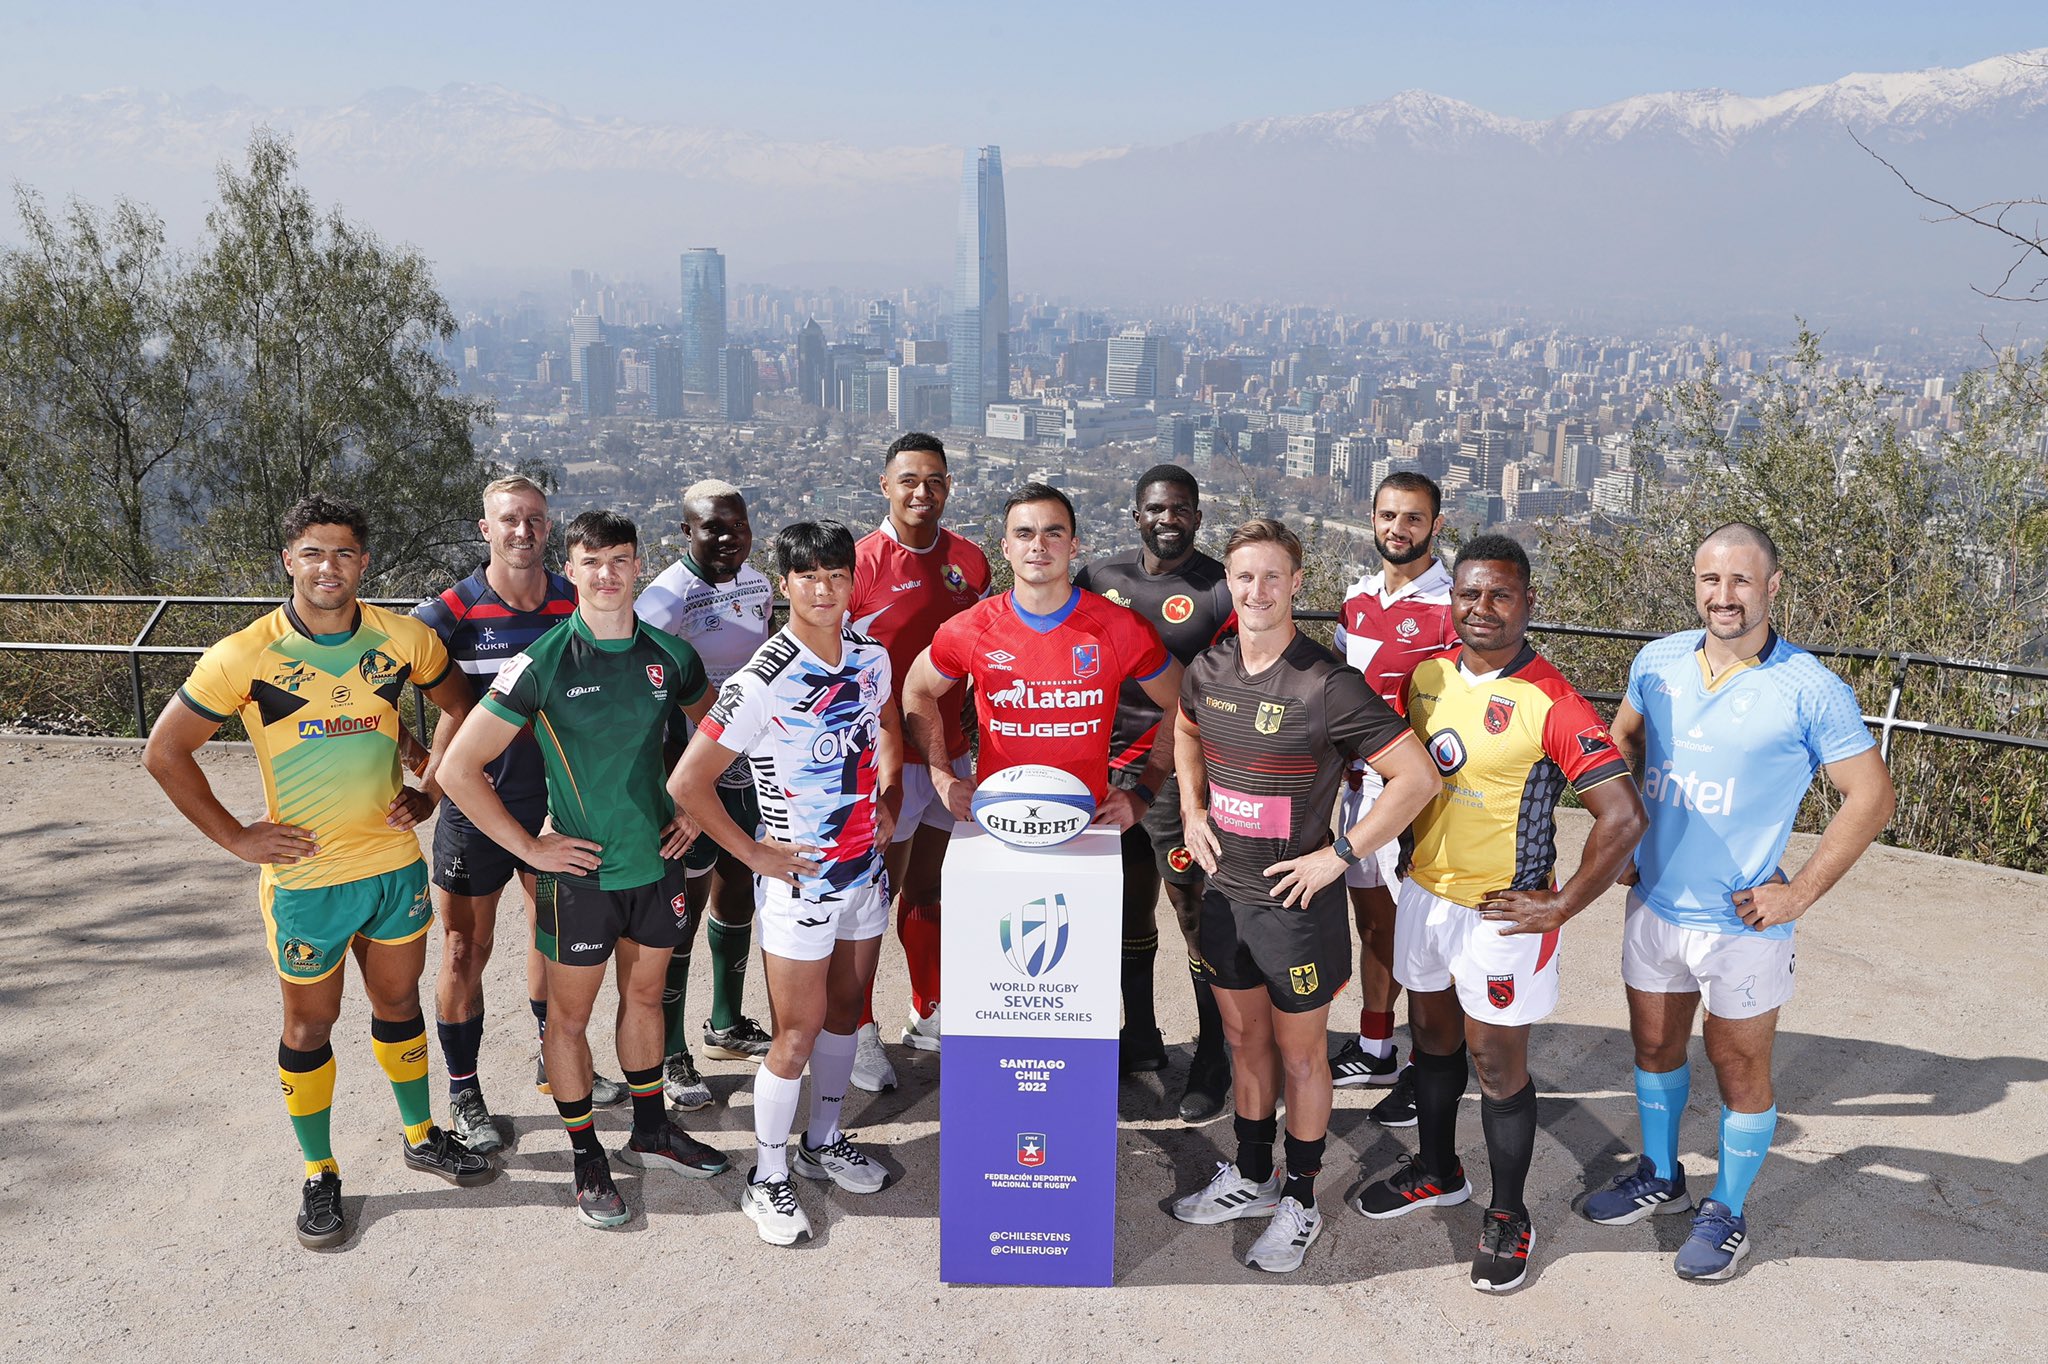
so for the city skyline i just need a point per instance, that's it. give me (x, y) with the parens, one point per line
(980, 335)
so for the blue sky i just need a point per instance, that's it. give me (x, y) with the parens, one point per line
(1046, 76)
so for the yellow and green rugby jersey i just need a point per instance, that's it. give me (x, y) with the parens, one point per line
(323, 713)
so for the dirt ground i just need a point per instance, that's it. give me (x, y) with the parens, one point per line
(148, 1176)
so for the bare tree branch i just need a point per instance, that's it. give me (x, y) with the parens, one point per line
(1991, 216)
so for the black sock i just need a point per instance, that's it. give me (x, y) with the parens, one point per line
(1304, 1163)
(1439, 1084)
(1140, 1015)
(649, 1111)
(1510, 1126)
(540, 1016)
(1209, 1023)
(1255, 1147)
(582, 1126)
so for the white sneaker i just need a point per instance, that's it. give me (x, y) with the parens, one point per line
(841, 1162)
(871, 1068)
(1228, 1195)
(776, 1213)
(682, 1084)
(922, 1034)
(1286, 1238)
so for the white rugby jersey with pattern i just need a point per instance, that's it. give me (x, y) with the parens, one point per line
(724, 622)
(811, 732)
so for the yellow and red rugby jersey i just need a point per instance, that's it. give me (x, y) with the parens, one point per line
(1506, 745)
(324, 720)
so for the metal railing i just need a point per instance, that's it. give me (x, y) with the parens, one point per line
(1887, 724)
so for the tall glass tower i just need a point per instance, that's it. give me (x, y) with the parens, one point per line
(980, 354)
(703, 317)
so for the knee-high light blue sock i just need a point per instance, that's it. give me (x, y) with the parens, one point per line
(1660, 1103)
(1745, 1141)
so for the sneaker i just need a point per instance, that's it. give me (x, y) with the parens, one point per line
(1719, 1240)
(841, 1162)
(871, 1068)
(1208, 1086)
(776, 1213)
(1398, 1108)
(1140, 1051)
(681, 1083)
(320, 1220)
(472, 1122)
(743, 1041)
(1286, 1238)
(1353, 1066)
(1505, 1241)
(922, 1034)
(674, 1150)
(598, 1201)
(446, 1156)
(605, 1092)
(1411, 1187)
(1636, 1195)
(1229, 1195)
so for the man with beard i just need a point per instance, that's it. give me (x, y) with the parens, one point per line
(723, 608)
(1726, 727)
(1181, 593)
(1391, 621)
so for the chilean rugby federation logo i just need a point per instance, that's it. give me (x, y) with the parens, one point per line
(1034, 935)
(1031, 1149)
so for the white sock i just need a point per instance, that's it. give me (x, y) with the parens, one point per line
(774, 1113)
(831, 1068)
(1375, 1047)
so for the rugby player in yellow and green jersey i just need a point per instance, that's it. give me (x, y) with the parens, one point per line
(317, 683)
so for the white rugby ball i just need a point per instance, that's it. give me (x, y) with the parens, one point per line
(1033, 806)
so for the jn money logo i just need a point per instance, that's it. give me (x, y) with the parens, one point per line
(1034, 935)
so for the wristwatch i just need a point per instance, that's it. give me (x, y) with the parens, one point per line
(1345, 853)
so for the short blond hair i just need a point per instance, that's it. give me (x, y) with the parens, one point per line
(512, 483)
(1264, 530)
(710, 490)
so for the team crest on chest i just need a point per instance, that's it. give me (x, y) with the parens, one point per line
(1407, 629)
(655, 673)
(1271, 713)
(1499, 711)
(1087, 659)
(1177, 608)
(956, 581)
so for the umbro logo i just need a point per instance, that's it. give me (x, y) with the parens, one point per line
(1000, 658)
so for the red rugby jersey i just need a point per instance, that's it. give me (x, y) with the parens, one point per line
(901, 596)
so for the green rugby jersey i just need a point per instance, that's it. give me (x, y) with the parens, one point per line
(599, 708)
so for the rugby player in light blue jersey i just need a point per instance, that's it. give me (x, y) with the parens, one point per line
(1726, 728)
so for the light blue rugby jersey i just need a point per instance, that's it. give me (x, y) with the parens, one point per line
(1725, 769)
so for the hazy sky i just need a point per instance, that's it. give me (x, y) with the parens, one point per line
(1048, 76)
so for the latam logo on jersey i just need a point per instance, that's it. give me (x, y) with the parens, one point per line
(337, 726)
(1250, 816)
(1022, 696)
(1685, 791)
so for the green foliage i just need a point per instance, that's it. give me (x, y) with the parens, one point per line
(1883, 547)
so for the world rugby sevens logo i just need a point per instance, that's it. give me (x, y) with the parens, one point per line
(1447, 750)
(1034, 935)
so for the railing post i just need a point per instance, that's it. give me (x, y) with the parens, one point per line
(1891, 707)
(135, 665)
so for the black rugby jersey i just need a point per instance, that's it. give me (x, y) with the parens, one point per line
(1190, 608)
(1276, 746)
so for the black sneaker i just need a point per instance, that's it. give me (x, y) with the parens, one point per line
(598, 1201)
(446, 1156)
(1208, 1086)
(674, 1150)
(1352, 1066)
(743, 1041)
(320, 1221)
(1411, 1187)
(1140, 1051)
(1505, 1241)
(1398, 1108)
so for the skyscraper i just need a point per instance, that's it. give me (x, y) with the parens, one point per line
(813, 367)
(980, 350)
(1134, 358)
(736, 383)
(585, 329)
(600, 379)
(665, 389)
(703, 317)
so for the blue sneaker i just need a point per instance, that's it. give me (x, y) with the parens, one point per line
(1718, 1242)
(1638, 1194)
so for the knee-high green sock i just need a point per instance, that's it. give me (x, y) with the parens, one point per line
(674, 990)
(402, 1053)
(730, 946)
(308, 1080)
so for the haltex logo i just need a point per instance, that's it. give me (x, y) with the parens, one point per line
(1034, 935)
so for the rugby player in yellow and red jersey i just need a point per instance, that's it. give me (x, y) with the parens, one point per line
(317, 684)
(1476, 927)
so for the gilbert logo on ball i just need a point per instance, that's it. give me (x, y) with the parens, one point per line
(1033, 806)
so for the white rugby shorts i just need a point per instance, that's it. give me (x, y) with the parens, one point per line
(1376, 868)
(921, 804)
(1737, 975)
(1509, 979)
(798, 929)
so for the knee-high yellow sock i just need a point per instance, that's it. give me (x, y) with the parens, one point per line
(402, 1052)
(308, 1080)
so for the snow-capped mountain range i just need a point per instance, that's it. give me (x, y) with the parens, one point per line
(1680, 194)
